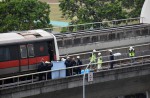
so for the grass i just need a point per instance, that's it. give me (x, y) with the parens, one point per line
(56, 14)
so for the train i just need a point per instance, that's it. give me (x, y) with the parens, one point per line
(22, 51)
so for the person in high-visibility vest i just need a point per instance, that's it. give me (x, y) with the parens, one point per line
(131, 53)
(93, 59)
(99, 62)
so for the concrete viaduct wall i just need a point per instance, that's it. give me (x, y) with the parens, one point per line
(106, 84)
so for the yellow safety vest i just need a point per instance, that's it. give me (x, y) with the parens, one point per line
(93, 58)
(131, 53)
(99, 61)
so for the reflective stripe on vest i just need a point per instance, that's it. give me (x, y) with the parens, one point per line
(131, 53)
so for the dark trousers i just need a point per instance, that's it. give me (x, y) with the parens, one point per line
(67, 72)
(111, 65)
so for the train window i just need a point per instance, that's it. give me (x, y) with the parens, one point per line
(14, 54)
(23, 51)
(30, 50)
(41, 49)
(4, 54)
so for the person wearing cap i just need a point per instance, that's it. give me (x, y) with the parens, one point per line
(111, 58)
(99, 61)
(79, 62)
(131, 53)
(93, 58)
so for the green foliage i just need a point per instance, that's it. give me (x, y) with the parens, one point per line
(92, 10)
(23, 15)
(98, 10)
(134, 5)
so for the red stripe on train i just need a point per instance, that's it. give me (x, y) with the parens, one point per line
(23, 62)
(9, 64)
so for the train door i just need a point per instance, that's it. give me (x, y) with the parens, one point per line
(51, 51)
(41, 51)
(24, 62)
(28, 60)
(31, 57)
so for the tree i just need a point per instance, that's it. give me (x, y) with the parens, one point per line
(23, 15)
(92, 10)
(99, 10)
(133, 6)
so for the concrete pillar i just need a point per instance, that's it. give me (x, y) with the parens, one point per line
(147, 94)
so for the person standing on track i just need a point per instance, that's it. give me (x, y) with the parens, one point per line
(99, 61)
(111, 58)
(132, 54)
(93, 59)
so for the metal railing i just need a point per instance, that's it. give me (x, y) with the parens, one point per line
(123, 55)
(85, 53)
(33, 76)
(96, 25)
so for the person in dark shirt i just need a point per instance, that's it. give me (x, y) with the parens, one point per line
(67, 63)
(111, 58)
(73, 63)
(41, 67)
(48, 66)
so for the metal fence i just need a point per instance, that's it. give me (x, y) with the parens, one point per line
(33, 77)
(141, 48)
(83, 38)
(122, 56)
(96, 25)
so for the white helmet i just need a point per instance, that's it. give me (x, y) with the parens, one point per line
(110, 50)
(62, 59)
(99, 53)
(78, 57)
(131, 48)
(94, 50)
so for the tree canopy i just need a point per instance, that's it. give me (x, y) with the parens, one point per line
(23, 15)
(99, 10)
(134, 7)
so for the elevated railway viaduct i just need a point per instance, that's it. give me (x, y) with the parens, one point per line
(82, 41)
(106, 84)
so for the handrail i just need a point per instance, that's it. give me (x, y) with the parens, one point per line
(112, 21)
(76, 54)
(122, 54)
(36, 73)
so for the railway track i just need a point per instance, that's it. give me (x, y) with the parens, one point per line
(142, 57)
(143, 49)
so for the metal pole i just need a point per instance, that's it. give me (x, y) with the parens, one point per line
(84, 80)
